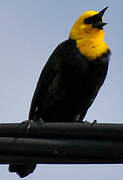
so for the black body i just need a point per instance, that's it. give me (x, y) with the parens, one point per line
(67, 85)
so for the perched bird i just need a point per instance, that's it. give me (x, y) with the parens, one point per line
(72, 76)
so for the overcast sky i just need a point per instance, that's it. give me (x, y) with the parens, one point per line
(29, 31)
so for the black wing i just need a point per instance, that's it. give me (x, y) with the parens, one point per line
(50, 87)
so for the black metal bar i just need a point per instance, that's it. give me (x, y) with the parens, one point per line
(63, 130)
(61, 143)
(60, 151)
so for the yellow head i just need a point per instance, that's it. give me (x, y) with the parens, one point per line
(89, 34)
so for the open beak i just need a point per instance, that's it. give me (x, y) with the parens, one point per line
(101, 13)
(97, 19)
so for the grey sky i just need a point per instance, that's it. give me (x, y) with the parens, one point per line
(29, 32)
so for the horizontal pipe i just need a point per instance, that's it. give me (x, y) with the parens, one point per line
(63, 130)
(61, 143)
(60, 151)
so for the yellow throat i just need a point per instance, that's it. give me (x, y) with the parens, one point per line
(89, 40)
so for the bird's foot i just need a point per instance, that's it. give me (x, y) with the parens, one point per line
(94, 122)
(86, 122)
(29, 124)
(91, 123)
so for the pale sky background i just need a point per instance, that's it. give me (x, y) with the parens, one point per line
(29, 31)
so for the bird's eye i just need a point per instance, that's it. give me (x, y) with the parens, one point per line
(93, 19)
(88, 21)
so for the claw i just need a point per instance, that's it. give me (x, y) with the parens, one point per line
(91, 123)
(94, 122)
(28, 128)
(86, 122)
(30, 123)
(27, 124)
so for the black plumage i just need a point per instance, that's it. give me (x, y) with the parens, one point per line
(67, 85)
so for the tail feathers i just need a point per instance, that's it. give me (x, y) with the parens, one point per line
(22, 169)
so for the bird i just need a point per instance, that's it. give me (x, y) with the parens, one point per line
(72, 76)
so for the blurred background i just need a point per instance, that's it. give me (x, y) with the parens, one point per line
(29, 32)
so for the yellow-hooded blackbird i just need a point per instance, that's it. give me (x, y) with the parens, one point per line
(72, 76)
